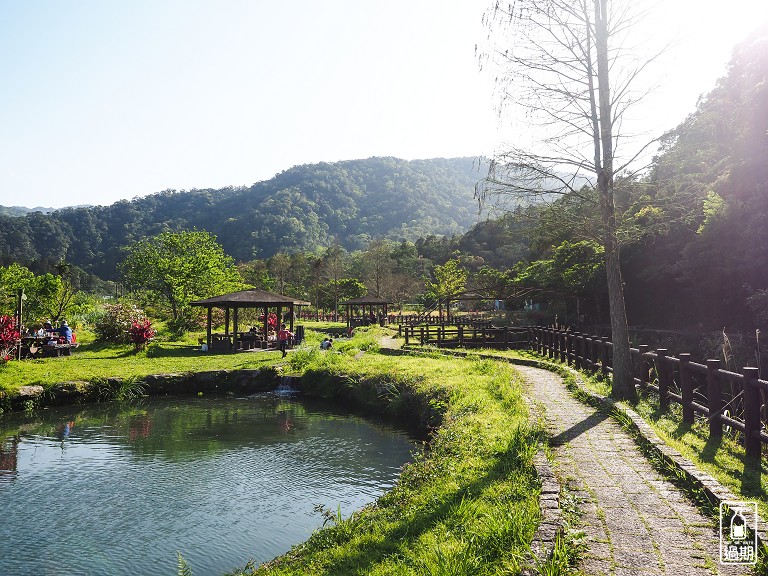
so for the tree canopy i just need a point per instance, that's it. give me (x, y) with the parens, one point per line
(175, 268)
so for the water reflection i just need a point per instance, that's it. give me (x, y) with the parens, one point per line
(119, 488)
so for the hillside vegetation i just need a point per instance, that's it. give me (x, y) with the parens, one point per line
(299, 209)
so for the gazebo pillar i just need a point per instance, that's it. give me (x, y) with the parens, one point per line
(266, 323)
(208, 330)
(234, 329)
(290, 312)
(226, 321)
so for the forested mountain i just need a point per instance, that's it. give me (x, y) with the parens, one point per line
(299, 209)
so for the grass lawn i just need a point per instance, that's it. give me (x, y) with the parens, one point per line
(94, 361)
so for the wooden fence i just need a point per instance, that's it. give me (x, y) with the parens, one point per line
(724, 398)
(415, 319)
(474, 335)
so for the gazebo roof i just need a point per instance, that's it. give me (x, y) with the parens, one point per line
(249, 299)
(366, 300)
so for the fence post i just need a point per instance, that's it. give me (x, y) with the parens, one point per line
(551, 343)
(604, 355)
(714, 399)
(596, 350)
(506, 337)
(440, 335)
(406, 334)
(577, 350)
(421, 332)
(569, 348)
(461, 335)
(563, 346)
(664, 375)
(642, 349)
(556, 342)
(686, 387)
(539, 341)
(752, 443)
(530, 337)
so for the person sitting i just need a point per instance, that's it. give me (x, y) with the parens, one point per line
(65, 332)
(324, 344)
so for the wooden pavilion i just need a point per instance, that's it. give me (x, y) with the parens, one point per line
(372, 303)
(245, 299)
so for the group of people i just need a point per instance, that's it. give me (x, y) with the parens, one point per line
(61, 335)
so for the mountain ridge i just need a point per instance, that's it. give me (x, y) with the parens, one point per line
(299, 209)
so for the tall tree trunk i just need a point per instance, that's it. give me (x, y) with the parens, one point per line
(623, 383)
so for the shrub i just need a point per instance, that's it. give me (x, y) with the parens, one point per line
(114, 324)
(141, 332)
(9, 338)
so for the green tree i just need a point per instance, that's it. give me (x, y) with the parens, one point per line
(450, 280)
(341, 289)
(175, 268)
(335, 265)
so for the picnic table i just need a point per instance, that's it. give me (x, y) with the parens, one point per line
(36, 346)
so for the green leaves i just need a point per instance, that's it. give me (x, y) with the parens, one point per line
(175, 268)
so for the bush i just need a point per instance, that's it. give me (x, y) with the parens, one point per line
(115, 322)
(9, 338)
(141, 332)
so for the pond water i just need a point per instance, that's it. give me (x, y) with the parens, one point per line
(120, 488)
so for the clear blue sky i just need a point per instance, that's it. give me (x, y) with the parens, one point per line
(108, 99)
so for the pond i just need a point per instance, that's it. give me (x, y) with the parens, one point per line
(119, 488)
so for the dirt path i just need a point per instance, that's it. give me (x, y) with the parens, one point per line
(635, 521)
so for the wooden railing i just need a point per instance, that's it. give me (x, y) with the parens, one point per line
(724, 398)
(415, 319)
(475, 335)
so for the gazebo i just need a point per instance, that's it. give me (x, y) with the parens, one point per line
(246, 299)
(380, 305)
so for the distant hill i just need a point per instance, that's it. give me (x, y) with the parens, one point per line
(299, 209)
(21, 210)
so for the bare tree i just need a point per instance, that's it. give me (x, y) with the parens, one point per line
(572, 69)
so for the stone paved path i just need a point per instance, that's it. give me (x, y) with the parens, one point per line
(635, 521)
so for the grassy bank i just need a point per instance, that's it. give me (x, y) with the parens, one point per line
(94, 361)
(468, 505)
(724, 459)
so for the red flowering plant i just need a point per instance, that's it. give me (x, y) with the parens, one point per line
(141, 332)
(9, 338)
(271, 321)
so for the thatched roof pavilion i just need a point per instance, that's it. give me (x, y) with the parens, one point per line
(380, 305)
(247, 299)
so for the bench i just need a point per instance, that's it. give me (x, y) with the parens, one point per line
(59, 349)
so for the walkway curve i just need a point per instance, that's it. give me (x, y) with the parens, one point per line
(636, 522)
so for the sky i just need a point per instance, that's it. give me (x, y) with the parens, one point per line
(103, 100)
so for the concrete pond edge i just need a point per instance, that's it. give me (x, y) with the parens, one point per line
(248, 381)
